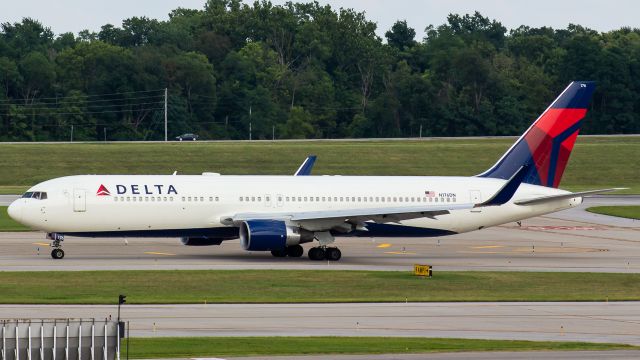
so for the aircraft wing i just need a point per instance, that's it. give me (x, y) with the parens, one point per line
(328, 219)
(544, 199)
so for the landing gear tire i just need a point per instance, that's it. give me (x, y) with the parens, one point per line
(332, 254)
(316, 253)
(279, 253)
(295, 251)
(57, 254)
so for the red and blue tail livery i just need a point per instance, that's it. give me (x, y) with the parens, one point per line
(547, 144)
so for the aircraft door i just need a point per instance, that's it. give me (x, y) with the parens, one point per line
(476, 198)
(79, 200)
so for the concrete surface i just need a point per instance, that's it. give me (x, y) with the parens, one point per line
(614, 322)
(556, 242)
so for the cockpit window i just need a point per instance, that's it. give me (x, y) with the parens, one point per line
(40, 195)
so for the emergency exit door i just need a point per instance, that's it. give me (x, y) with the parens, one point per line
(79, 200)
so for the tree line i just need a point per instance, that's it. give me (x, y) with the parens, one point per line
(304, 70)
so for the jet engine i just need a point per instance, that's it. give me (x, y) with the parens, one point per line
(268, 235)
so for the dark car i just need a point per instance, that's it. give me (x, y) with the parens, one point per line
(192, 137)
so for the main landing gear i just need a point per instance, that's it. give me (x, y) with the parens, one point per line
(56, 243)
(325, 253)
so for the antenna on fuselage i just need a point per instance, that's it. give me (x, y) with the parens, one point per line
(175, 172)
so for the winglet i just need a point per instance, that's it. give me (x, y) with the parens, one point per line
(508, 190)
(306, 167)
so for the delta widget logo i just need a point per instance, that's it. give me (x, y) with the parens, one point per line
(103, 191)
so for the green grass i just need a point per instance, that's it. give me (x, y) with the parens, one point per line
(13, 190)
(158, 348)
(284, 286)
(7, 224)
(629, 212)
(597, 162)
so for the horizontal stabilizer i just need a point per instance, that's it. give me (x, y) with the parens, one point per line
(551, 198)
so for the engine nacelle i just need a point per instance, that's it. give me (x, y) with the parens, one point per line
(267, 235)
(200, 241)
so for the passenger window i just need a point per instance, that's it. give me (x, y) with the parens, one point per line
(436, 199)
(287, 199)
(115, 198)
(324, 199)
(311, 199)
(170, 199)
(246, 198)
(153, 199)
(317, 198)
(189, 198)
(299, 198)
(201, 198)
(359, 199)
(240, 198)
(128, 198)
(253, 198)
(218, 199)
(259, 198)
(305, 198)
(135, 199)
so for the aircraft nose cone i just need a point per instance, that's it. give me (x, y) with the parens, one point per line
(15, 210)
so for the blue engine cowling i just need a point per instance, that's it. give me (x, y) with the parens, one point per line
(267, 235)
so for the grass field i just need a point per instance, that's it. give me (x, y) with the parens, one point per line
(629, 212)
(597, 162)
(7, 224)
(159, 348)
(283, 286)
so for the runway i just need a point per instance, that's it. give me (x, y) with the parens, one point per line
(572, 240)
(615, 322)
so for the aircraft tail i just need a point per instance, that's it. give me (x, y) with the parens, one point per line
(547, 144)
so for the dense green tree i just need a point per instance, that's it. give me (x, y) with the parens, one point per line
(304, 70)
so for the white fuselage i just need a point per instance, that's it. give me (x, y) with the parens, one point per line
(155, 203)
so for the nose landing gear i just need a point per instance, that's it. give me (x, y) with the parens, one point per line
(56, 243)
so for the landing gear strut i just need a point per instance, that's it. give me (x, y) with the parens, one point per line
(56, 243)
(324, 252)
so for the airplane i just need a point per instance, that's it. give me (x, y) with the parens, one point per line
(280, 213)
